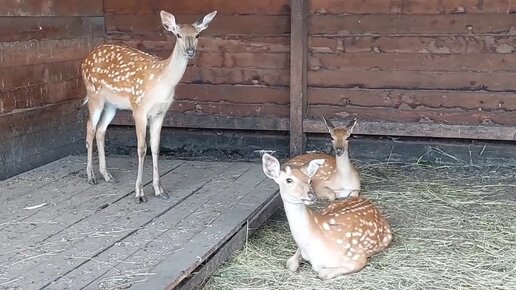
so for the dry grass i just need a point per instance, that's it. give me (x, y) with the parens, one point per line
(454, 228)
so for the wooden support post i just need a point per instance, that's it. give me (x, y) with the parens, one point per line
(298, 66)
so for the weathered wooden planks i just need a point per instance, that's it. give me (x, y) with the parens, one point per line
(422, 129)
(224, 24)
(56, 129)
(21, 53)
(411, 7)
(42, 28)
(471, 62)
(233, 94)
(51, 8)
(255, 76)
(430, 80)
(422, 63)
(438, 25)
(413, 99)
(417, 116)
(414, 44)
(224, 7)
(23, 76)
(214, 121)
(95, 235)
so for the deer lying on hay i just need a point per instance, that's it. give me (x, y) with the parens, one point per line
(121, 77)
(337, 177)
(339, 239)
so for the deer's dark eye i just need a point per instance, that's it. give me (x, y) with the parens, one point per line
(289, 180)
(197, 36)
(178, 35)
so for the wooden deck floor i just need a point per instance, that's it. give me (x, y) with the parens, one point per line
(96, 237)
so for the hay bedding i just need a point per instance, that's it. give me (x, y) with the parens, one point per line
(454, 228)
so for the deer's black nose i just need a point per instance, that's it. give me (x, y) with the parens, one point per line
(190, 52)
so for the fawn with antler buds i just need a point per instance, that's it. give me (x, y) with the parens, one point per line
(337, 177)
(339, 239)
(121, 77)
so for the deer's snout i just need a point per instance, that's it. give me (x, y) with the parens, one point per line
(339, 151)
(190, 52)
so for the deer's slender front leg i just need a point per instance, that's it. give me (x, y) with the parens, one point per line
(293, 262)
(155, 131)
(347, 268)
(140, 121)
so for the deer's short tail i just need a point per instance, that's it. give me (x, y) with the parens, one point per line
(84, 101)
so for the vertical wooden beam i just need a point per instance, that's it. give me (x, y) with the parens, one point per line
(298, 66)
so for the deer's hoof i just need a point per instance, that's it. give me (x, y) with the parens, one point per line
(163, 196)
(140, 199)
(92, 181)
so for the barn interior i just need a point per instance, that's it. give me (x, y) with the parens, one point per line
(430, 81)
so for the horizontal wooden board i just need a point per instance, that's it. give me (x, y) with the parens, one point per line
(475, 132)
(251, 76)
(53, 131)
(163, 46)
(200, 7)
(206, 121)
(416, 116)
(52, 8)
(411, 6)
(495, 81)
(315, 125)
(20, 123)
(231, 109)
(22, 76)
(495, 24)
(40, 28)
(41, 94)
(233, 94)
(476, 62)
(242, 60)
(29, 52)
(223, 24)
(414, 44)
(413, 99)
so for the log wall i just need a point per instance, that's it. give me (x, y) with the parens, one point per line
(41, 46)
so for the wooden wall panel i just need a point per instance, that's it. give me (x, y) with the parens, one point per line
(413, 62)
(225, 7)
(42, 44)
(243, 61)
(52, 8)
(41, 28)
(412, 7)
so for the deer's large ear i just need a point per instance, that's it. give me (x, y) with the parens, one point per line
(351, 125)
(329, 125)
(169, 22)
(313, 166)
(271, 166)
(202, 23)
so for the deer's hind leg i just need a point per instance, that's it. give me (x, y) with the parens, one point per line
(105, 120)
(95, 107)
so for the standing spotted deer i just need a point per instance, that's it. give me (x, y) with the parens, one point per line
(337, 177)
(339, 239)
(121, 77)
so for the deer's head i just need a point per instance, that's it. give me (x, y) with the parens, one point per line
(295, 186)
(340, 136)
(187, 34)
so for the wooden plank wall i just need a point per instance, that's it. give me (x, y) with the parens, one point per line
(41, 46)
(242, 69)
(413, 63)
